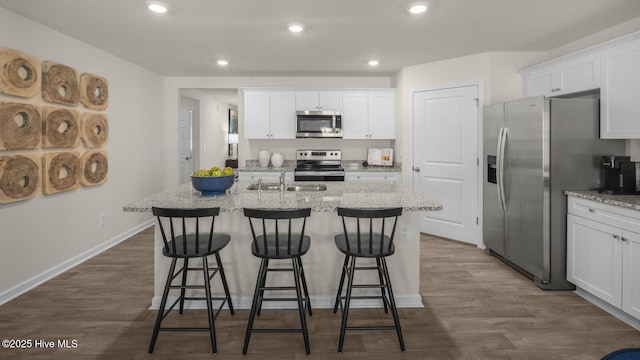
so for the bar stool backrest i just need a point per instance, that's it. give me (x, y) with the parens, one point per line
(375, 239)
(178, 220)
(269, 220)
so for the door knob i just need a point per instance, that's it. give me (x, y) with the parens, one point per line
(187, 158)
(416, 169)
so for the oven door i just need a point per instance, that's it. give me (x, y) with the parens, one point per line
(318, 124)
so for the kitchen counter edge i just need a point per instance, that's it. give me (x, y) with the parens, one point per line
(626, 201)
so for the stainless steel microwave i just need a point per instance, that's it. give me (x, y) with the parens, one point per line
(320, 124)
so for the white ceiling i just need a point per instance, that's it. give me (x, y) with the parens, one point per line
(340, 35)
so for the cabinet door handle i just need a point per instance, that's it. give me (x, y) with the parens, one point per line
(591, 210)
(624, 238)
(616, 236)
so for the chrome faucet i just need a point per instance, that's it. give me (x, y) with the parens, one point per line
(282, 186)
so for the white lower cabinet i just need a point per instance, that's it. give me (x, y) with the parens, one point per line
(372, 176)
(603, 252)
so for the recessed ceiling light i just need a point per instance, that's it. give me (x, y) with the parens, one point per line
(417, 8)
(223, 62)
(157, 7)
(374, 62)
(296, 28)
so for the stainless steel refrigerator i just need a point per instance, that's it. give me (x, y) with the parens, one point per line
(534, 149)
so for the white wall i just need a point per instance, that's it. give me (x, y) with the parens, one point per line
(42, 233)
(497, 72)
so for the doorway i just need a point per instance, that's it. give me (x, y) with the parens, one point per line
(445, 159)
(187, 118)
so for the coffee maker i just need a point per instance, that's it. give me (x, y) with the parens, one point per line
(620, 175)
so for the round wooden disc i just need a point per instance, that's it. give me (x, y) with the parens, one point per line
(61, 128)
(20, 126)
(95, 129)
(59, 84)
(94, 168)
(94, 91)
(61, 172)
(20, 74)
(19, 178)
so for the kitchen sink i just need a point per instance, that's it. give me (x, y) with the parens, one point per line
(310, 187)
(264, 187)
(317, 187)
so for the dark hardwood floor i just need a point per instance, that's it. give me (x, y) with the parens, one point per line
(475, 308)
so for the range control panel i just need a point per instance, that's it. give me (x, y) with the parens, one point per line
(319, 155)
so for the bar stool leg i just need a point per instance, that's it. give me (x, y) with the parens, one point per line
(392, 302)
(185, 270)
(224, 283)
(207, 290)
(163, 303)
(297, 273)
(262, 286)
(339, 295)
(254, 304)
(304, 287)
(384, 301)
(345, 311)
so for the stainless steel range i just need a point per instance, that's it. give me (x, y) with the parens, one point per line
(318, 165)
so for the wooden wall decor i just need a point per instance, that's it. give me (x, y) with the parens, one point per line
(19, 73)
(19, 177)
(59, 84)
(95, 129)
(60, 172)
(94, 167)
(60, 128)
(36, 127)
(94, 91)
(20, 126)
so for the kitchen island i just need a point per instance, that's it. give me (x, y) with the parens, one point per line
(323, 262)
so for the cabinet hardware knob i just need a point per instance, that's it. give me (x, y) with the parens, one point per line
(591, 210)
(416, 169)
(624, 238)
(616, 236)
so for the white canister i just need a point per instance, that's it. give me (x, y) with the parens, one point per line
(263, 157)
(277, 160)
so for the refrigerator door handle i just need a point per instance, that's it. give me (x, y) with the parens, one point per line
(502, 143)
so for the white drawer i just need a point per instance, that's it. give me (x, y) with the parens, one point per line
(607, 214)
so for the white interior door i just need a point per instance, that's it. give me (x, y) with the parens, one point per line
(445, 153)
(186, 144)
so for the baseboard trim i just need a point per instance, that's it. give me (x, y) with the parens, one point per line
(617, 313)
(21, 288)
(317, 302)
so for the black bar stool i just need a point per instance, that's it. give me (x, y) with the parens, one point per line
(369, 244)
(277, 243)
(182, 243)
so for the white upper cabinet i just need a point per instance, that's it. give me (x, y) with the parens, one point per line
(563, 76)
(283, 115)
(257, 118)
(620, 92)
(382, 114)
(269, 114)
(319, 100)
(355, 114)
(369, 114)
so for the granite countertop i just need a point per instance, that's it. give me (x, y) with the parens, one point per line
(625, 201)
(338, 194)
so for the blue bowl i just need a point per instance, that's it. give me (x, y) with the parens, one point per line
(212, 185)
